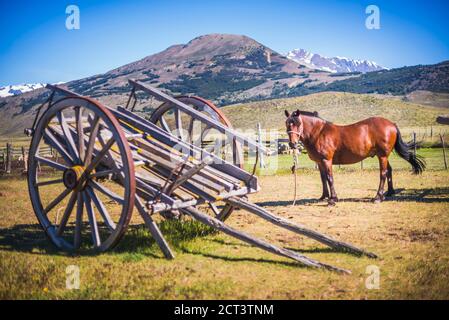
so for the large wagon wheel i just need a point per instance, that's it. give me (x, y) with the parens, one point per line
(90, 167)
(186, 128)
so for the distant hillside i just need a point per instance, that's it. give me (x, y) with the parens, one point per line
(398, 81)
(338, 107)
(436, 99)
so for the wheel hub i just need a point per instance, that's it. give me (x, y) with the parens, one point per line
(72, 176)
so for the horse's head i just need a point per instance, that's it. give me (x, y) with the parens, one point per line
(294, 127)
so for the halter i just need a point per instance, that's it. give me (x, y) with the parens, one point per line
(300, 132)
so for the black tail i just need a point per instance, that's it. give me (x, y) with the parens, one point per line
(405, 151)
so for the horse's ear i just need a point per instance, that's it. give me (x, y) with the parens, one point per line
(287, 114)
(298, 112)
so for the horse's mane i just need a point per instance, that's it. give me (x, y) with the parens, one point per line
(313, 114)
(307, 113)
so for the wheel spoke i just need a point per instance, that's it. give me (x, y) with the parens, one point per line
(200, 139)
(51, 163)
(179, 124)
(100, 156)
(164, 124)
(57, 200)
(103, 173)
(192, 120)
(106, 192)
(79, 220)
(92, 221)
(68, 136)
(95, 125)
(49, 182)
(114, 163)
(53, 141)
(79, 129)
(67, 213)
(101, 209)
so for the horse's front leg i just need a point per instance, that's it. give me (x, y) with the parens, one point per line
(330, 180)
(325, 193)
(383, 166)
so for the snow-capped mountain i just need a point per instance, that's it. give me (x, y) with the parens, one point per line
(14, 90)
(334, 65)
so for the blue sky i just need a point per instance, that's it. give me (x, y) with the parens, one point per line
(35, 45)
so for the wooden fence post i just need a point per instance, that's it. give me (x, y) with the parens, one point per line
(361, 165)
(8, 157)
(444, 151)
(259, 140)
(25, 160)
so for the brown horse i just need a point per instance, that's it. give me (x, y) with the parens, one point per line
(328, 144)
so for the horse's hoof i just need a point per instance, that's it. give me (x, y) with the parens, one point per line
(323, 198)
(390, 193)
(331, 203)
(377, 200)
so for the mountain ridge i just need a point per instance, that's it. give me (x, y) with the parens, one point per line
(335, 64)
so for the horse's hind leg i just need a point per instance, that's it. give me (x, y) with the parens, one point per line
(383, 166)
(327, 164)
(324, 182)
(390, 191)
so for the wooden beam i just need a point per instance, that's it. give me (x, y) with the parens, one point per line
(286, 224)
(219, 225)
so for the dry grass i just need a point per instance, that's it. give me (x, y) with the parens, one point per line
(338, 107)
(410, 233)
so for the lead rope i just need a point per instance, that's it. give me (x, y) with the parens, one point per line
(294, 169)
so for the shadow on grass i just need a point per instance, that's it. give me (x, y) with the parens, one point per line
(30, 238)
(137, 243)
(314, 250)
(242, 259)
(426, 195)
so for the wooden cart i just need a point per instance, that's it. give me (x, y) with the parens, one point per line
(111, 160)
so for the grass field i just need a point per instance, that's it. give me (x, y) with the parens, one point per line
(410, 233)
(281, 164)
